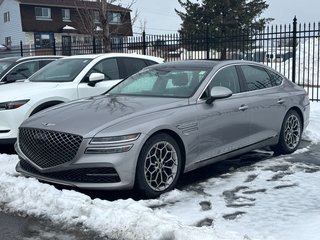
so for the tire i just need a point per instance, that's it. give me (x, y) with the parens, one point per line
(159, 166)
(290, 134)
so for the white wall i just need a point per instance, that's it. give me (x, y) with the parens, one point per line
(13, 28)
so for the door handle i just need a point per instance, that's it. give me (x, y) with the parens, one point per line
(281, 101)
(243, 107)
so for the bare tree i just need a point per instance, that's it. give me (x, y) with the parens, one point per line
(104, 19)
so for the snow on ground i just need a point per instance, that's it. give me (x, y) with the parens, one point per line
(274, 200)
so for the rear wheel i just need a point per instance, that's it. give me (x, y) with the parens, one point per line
(290, 134)
(159, 165)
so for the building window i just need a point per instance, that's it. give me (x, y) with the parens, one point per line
(96, 16)
(66, 15)
(7, 41)
(43, 13)
(43, 40)
(114, 18)
(6, 17)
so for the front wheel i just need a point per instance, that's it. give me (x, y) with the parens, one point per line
(290, 134)
(159, 165)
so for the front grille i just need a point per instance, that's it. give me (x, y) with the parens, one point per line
(48, 148)
(79, 175)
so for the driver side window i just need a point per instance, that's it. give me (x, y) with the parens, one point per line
(226, 77)
(23, 71)
(109, 67)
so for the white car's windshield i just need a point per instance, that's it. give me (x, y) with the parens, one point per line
(61, 70)
(162, 82)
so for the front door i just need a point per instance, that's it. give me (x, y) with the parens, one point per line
(224, 124)
(66, 45)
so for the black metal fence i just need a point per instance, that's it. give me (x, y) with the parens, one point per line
(293, 49)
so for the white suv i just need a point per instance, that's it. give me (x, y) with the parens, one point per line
(64, 80)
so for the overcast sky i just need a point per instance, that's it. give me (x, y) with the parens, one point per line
(159, 15)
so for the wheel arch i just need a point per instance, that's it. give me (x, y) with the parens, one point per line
(45, 105)
(298, 110)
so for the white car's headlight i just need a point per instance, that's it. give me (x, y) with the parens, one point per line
(13, 104)
(115, 139)
(111, 145)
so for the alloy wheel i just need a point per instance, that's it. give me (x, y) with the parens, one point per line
(161, 166)
(292, 131)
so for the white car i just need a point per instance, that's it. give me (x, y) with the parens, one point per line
(64, 80)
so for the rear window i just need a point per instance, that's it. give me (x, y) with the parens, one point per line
(256, 77)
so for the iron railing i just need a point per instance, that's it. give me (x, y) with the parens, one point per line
(293, 49)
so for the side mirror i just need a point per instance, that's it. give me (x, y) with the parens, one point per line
(218, 93)
(94, 78)
(10, 78)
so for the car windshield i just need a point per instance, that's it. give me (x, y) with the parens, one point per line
(61, 70)
(162, 82)
(4, 65)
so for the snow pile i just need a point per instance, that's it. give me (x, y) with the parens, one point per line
(312, 132)
(255, 203)
(122, 219)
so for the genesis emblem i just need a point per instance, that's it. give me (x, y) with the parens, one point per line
(48, 124)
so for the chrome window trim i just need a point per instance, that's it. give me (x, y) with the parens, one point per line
(238, 64)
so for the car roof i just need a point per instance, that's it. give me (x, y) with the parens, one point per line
(188, 64)
(103, 55)
(22, 59)
(206, 63)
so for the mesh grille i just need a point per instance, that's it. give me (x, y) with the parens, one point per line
(48, 148)
(81, 175)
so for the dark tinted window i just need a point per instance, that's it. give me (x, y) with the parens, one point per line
(109, 67)
(23, 70)
(226, 77)
(275, 78)
(256, 77)
(42, 63)
(150, 62)
(133, 65)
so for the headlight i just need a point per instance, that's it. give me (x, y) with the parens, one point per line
(13, 104)
(115, 139)
(109, 150)
(111, 145)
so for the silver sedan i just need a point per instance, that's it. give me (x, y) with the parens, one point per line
(164, 121)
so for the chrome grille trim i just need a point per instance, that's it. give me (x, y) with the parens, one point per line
(46, 148)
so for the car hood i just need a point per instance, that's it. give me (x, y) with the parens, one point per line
(23, 90)
(87, 117)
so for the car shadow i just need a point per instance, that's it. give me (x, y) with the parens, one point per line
(7, 149)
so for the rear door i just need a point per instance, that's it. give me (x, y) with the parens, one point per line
(267, 105)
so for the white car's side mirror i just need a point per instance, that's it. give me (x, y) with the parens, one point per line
(95, 78)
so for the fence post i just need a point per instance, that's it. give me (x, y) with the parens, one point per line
(94, 45)
(21, 49)
(54, 47)
(207, 40)
(144, 45)
(294, 55)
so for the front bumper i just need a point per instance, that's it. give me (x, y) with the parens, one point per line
(87, 171)
(10, 120)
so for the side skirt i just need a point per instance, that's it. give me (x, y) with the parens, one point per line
(264, 143)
